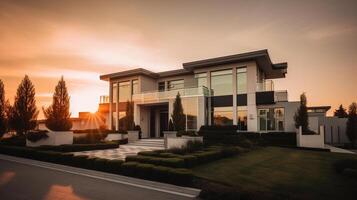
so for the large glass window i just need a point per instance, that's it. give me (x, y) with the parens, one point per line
(176, 84)
(190, 109)
(242, 118)
(135, 86)
(279, 116)
(222, 116)
(122, 116)
(221, 82)
(242, 80)
(201, 79)
(271, 119)
(124, 91)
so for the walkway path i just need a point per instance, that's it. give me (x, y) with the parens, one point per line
(338, 150)
(126, 150)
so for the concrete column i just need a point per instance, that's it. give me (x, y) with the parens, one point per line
(234, 74)
(117, 109)
(200, 112)
(110, 105)
(251, 102)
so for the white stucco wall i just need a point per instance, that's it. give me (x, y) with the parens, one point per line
(54, 138)
(311, 141)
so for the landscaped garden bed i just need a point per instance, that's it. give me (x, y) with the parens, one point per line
(181, 159)
(178, 176)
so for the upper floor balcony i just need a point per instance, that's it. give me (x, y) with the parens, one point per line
(159, 96)
(265, 92)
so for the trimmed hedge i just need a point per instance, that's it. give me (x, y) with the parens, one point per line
(184, 161)
(176, 176)
(36, 135)
(168, 162)
(229, 135)
(79, 147)
(17, 140)
(158, 173)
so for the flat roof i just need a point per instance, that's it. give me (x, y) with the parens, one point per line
(325, 108)
(261, 57)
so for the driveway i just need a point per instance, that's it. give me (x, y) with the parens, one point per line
(25, 179)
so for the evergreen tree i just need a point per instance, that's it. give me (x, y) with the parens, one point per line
(24, 112)
(340, 112)
(57, 114)
(351, 129)
(129, 118)
(178, 117)
(3, 118)
(301, 117)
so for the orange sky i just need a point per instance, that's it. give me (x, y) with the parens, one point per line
(83, 39)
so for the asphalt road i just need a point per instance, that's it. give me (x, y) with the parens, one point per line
(19, 181)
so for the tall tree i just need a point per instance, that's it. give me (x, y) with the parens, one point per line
(24, 111)
(351, 129)
(129, 118)
(3, 118)
(57, 114)
(301, 117)
(340, 112)
(178, 116)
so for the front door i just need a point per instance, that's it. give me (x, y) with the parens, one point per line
(164, 122)
(152, 123)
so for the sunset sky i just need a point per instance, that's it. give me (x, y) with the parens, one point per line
(83, 39)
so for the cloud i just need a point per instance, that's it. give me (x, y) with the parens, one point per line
(333, 31)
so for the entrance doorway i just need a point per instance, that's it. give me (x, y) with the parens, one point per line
(159, 120)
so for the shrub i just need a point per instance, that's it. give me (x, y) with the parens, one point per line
(114, 166)
(90, 137)
(158, 173)
(37, 135)
(16, 140)
(168, 162)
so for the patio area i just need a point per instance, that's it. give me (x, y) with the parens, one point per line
(126, 150)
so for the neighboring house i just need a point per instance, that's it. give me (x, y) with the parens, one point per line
(85, 120)
(230, 90)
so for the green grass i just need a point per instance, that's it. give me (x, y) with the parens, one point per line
(283, 172)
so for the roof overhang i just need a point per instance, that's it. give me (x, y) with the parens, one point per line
(261, 57)
(133, 72)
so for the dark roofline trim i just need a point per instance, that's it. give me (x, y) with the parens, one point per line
(227, 59)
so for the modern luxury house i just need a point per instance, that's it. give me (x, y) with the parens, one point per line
(230, 90)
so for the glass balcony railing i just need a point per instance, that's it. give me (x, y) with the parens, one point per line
(103, 99)
(157, 96)
(267, 85)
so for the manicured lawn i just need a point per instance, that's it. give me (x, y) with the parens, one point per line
(284, 173)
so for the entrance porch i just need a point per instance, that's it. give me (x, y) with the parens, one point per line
(153, 119)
